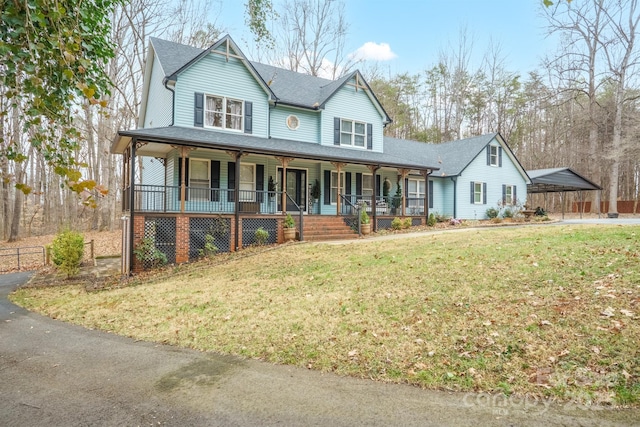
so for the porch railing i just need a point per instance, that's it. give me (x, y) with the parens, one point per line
(413, 206)
(167, 198)
(351, 212)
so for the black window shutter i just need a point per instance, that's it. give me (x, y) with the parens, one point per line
(488, 155)
(231, 181)
(430, 189)
(369, 136)
(260, 182)
(359, 184)
(500, 156)
(248, 117)
(484, 193)
(513, 196)
(406, 192)
(327, 187)
(473, 189)
(215, 180)
(186, 179)
(376, 190)
(504, 193)
(347, 183)
(198, 110)
(336, 131)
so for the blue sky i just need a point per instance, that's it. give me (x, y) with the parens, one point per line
(417, 30)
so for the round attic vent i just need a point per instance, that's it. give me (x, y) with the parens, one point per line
(293, 122)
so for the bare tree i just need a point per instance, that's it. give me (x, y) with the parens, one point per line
(311, 38)
(622, 58)
(582, 26)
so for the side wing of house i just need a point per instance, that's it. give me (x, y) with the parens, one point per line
(493, 179)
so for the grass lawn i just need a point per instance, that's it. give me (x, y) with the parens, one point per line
(545, 310)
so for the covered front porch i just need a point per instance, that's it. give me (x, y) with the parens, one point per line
(169, 175)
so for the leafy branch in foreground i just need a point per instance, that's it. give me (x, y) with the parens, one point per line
(56, 53)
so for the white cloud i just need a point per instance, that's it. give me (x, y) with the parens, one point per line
(374, 51)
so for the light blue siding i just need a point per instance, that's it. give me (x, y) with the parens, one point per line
(214, 75)
(159, 99)
(152, 172)
(438, 201)
(352, 105)
(495, 177)
(308, 130)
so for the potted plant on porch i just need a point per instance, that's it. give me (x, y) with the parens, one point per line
(315, 194)
(289, 228)
(365, 224)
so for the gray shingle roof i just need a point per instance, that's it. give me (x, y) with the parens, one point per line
(296, 88)
(172, 55)
(272, 146)
(289, 87)
(451, 157)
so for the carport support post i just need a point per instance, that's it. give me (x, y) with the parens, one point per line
(562, 203)
(581, 203)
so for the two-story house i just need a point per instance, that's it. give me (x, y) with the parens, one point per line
(226, 146)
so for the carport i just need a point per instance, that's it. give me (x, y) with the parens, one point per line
(560, 180)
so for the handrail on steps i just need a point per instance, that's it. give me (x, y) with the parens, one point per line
(357, 208)
(301, 216)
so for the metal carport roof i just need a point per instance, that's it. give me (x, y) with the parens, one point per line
(558, 180)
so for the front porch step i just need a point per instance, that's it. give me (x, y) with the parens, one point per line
(319, 228)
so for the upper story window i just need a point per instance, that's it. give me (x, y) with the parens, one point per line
(219, 112)
(493, 155)
(222, 112)
(352, 133)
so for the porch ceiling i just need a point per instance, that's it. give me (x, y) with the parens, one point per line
(160, 139)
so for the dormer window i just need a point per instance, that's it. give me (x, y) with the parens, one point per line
(224, 113)
(494, 156)
(352, 133)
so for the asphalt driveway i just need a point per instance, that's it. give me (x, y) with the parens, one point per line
(57, 374)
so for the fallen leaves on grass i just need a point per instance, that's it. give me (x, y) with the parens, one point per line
(464, 317)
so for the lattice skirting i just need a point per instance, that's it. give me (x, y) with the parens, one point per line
(207, 232)
(251, 225)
